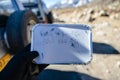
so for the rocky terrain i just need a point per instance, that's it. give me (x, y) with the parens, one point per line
(104, 18)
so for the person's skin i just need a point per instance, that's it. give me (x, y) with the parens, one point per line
(21, 67)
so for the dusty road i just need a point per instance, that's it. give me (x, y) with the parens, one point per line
(105, 24)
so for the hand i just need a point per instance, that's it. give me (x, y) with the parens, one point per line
(21, 67)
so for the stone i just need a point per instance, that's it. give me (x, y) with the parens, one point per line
(89, 18)
(118, 64)
(90, 11)
(103, 13)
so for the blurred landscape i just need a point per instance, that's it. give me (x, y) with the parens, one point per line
(104, 18)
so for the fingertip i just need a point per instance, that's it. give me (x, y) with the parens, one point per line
(27, 48)
(34, 54)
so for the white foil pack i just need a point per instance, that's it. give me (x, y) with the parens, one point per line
(62, 43)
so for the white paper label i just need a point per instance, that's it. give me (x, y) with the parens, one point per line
(62, 44)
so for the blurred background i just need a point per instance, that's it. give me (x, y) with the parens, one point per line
(104, 18)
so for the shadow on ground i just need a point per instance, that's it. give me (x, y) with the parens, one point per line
(50, 74)
(102, 48)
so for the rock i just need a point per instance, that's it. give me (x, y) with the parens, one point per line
(55, 16)
(112, 17)
(103, 13)
(90, 11)
(75, 20)
(118, 64)
(80, 15)
(115, 16)
(108, 71)
(105, 24)
(100, 33)
(89, 18)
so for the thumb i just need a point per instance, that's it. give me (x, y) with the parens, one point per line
(32, 55)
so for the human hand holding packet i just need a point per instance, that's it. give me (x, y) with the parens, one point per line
(62, 43)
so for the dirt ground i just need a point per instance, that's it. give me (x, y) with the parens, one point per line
(104, 19)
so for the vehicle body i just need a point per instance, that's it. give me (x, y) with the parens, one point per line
(37, 6)
(16, 22)
(40, 9)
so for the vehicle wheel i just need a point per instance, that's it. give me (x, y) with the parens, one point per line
(3, 20)
(50, 17)
(18, 29)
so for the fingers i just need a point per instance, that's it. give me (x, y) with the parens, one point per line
(27, 48)
(32, 55)
(42, 66)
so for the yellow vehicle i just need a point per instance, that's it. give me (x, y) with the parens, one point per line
(16, 22)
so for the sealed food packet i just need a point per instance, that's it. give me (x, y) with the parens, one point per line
(62, 43)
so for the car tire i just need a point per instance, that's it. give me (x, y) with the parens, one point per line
(3, 20)
(18, 29)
